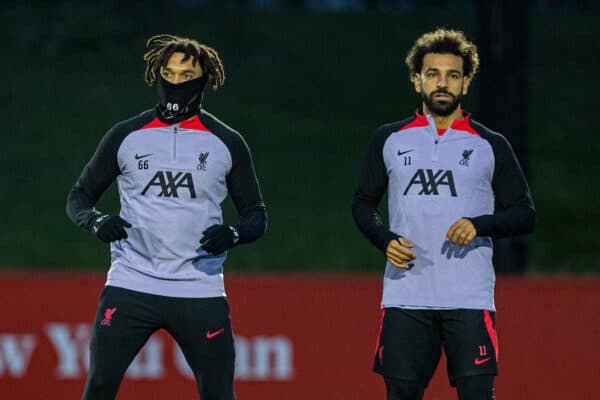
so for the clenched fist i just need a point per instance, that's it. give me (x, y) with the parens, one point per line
(461, 232)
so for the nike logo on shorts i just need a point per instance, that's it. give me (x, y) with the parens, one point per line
(210, 335)
(479, 361)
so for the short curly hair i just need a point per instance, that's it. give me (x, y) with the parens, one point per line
(444, 41)
(161, 47)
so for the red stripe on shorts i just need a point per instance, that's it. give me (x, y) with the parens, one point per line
(489, 325)
(380, 329)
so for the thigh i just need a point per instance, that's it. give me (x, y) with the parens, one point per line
(121, 327)
(124, 322)
(479, 387)
(202, 328)
(409, 345)
(398, 389)
(470, 343)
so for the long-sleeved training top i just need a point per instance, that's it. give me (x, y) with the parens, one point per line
(172, 179)
(432, 181)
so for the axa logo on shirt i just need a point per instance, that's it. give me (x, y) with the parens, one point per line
(429, 182)
(170, 182)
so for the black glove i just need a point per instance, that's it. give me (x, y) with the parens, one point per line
(110, 228)
(219, 238)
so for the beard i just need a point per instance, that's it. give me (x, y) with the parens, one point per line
(442, 108)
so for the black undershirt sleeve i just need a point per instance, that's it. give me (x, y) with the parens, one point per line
(371, 186)
(100, 171)
(242, 183)
(514, 212)
(243, 188)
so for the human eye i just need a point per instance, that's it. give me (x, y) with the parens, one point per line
(430, 74)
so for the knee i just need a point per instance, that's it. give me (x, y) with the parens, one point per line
(97, 380)
(475, 387)
(400, 389)
(101, 384)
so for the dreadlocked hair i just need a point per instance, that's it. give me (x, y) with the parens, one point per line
(161, 47)
(444, 41)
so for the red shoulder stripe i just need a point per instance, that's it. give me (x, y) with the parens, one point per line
(419, 122)
(155, 123)
(464, 125)
(192, 124)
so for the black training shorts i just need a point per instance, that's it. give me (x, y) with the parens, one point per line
(410, 343)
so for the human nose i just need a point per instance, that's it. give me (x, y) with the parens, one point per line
(175, 79)
(442, 82)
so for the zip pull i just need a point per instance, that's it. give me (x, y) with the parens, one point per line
(174, 149)
(435, 155)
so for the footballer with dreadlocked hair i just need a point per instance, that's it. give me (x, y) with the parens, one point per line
(176, 101)
(163, 46)
(174, 164)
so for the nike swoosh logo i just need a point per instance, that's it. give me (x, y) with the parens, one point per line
(479, 361)
(404, 152)
(140, 157)
(210, 335)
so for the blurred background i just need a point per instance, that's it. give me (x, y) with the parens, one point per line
(307, 83)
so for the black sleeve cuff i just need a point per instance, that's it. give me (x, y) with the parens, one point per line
(252, 225)
(383, 239)
(369, 221)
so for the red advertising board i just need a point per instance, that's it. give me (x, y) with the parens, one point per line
(297, 337)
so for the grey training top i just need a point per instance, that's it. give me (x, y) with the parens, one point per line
(432, 181)
(172, 179)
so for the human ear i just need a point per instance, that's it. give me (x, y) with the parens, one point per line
(466, 84)
(415, 79)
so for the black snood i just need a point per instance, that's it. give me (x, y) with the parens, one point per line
(177, 102)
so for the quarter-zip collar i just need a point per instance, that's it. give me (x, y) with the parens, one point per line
(439, 135)
(194, 123)
(463, 124)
